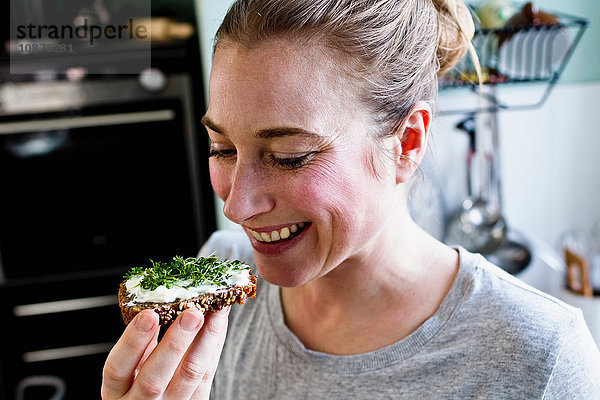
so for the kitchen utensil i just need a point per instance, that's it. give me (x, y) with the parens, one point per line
(517, 61)
(42, 381)
(578, 248)
(511, 256)
(478, 225)
(578, 273)
(531, 25)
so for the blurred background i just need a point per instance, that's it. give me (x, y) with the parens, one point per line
(103, 165)
(549, 164)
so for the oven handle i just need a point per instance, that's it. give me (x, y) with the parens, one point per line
(28, 310)
(52, 124)
(59, 385)
(67, 352)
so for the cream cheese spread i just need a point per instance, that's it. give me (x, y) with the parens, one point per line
(179, 292)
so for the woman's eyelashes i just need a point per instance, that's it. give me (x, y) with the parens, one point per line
(220, 153)
(291, 162)
(286, 162)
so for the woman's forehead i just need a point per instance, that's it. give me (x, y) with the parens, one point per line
(278, 81)
(278, 58)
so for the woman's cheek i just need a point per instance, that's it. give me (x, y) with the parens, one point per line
(220, 178)
(334, 177)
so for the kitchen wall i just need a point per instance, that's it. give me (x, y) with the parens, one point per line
(209, 14)
(549, 164)
(549, 159)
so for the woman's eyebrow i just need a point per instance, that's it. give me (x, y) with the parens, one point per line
(267, 133)
(278, 132)
(211, 125)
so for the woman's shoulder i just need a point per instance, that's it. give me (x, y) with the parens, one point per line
(511, 313)
(504, 308)
(509, 324)
(497, 291)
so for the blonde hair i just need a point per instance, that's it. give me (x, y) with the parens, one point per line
(395, 49)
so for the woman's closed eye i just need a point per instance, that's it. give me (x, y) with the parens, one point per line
(286, 161)
(221, 153)
(290, 161)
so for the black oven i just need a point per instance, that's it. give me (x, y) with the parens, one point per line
(96, 175)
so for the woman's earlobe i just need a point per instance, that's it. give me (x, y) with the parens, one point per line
(405, 168)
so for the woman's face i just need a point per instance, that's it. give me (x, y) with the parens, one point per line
(291, 158)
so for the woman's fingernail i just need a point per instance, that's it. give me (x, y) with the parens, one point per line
(145, 322)
(190, 320)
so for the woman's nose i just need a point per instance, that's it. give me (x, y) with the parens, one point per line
(250, 194)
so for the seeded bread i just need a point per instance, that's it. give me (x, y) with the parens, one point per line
(169, 311)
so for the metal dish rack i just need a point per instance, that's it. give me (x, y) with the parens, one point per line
(517, 55)
(508, 56)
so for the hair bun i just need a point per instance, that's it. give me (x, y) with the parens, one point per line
(456, 31)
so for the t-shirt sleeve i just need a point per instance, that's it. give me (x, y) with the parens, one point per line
(576, 373)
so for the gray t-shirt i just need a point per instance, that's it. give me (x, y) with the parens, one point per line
(493, 337)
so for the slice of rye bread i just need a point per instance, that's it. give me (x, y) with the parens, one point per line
(167, 312)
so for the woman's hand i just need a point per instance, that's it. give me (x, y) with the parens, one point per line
(181, 366)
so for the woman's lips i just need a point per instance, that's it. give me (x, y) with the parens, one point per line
(280, 245)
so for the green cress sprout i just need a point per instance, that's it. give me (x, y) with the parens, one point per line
(199, 271)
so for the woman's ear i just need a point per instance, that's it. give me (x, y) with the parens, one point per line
(412, 138)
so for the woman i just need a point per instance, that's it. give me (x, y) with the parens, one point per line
(319, 115)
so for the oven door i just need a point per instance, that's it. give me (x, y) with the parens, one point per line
(94, 177)
(98, 187)
(56, 337)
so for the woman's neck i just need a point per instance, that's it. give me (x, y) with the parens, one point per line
(384, 293)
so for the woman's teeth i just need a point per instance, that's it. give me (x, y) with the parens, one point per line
(274, 236)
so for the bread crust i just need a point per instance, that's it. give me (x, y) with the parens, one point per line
(168, 312)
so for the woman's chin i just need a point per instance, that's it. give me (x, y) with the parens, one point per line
(283, 275)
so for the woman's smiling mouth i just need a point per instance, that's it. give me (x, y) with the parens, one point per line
(278, 235)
